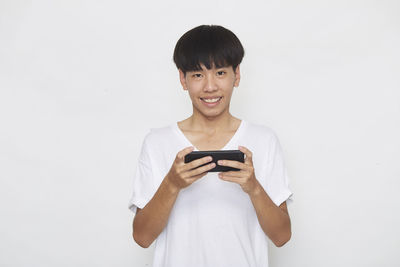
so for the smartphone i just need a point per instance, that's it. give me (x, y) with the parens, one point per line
(217, 155)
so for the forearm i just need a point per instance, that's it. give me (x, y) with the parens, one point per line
(152, 219)
(273, 220)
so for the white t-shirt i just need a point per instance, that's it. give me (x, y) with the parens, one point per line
(213, 222)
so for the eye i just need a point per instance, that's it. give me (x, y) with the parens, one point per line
(196, 75)
(221, 72)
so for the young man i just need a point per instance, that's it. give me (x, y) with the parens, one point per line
(202, 218)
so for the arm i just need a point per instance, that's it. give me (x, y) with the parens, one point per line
(152, 219)
(274, 220)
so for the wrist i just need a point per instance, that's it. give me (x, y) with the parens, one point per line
(172, 188)
(257, 189)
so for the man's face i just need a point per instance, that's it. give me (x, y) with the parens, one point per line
(211, 90)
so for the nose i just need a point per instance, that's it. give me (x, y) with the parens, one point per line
(211, 84)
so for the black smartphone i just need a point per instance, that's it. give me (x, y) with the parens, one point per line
(217, 155)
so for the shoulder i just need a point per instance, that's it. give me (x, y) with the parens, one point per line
(155, 136)
(260, 133)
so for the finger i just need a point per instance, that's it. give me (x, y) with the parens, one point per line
(196, 177)
(232, 179)
(196, 163)
(233, 163)
(248, 153)
(201, 170)
(233, 173)
(181, 154)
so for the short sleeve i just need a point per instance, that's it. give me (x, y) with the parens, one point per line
(143, 180)
(277, 184)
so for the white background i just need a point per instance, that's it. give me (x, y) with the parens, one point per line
(83, 81)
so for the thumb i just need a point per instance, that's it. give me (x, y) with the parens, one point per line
(181, 154)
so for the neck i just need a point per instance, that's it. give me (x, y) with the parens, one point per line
(212, 125)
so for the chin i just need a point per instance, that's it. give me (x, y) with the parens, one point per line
(211, 113)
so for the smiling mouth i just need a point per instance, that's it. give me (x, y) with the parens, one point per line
(211, 100)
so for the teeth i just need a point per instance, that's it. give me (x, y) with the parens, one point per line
(211, 100)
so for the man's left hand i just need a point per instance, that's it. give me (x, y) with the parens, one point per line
(245, 177)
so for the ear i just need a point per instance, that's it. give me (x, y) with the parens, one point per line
(237, 76)
(182, 79)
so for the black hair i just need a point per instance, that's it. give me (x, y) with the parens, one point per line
(208, 45)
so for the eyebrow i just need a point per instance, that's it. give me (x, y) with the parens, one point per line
(207, 69)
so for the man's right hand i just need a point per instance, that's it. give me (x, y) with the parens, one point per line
(183, 174)
(151, 220)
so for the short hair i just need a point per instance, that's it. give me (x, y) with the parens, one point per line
(208, 45)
